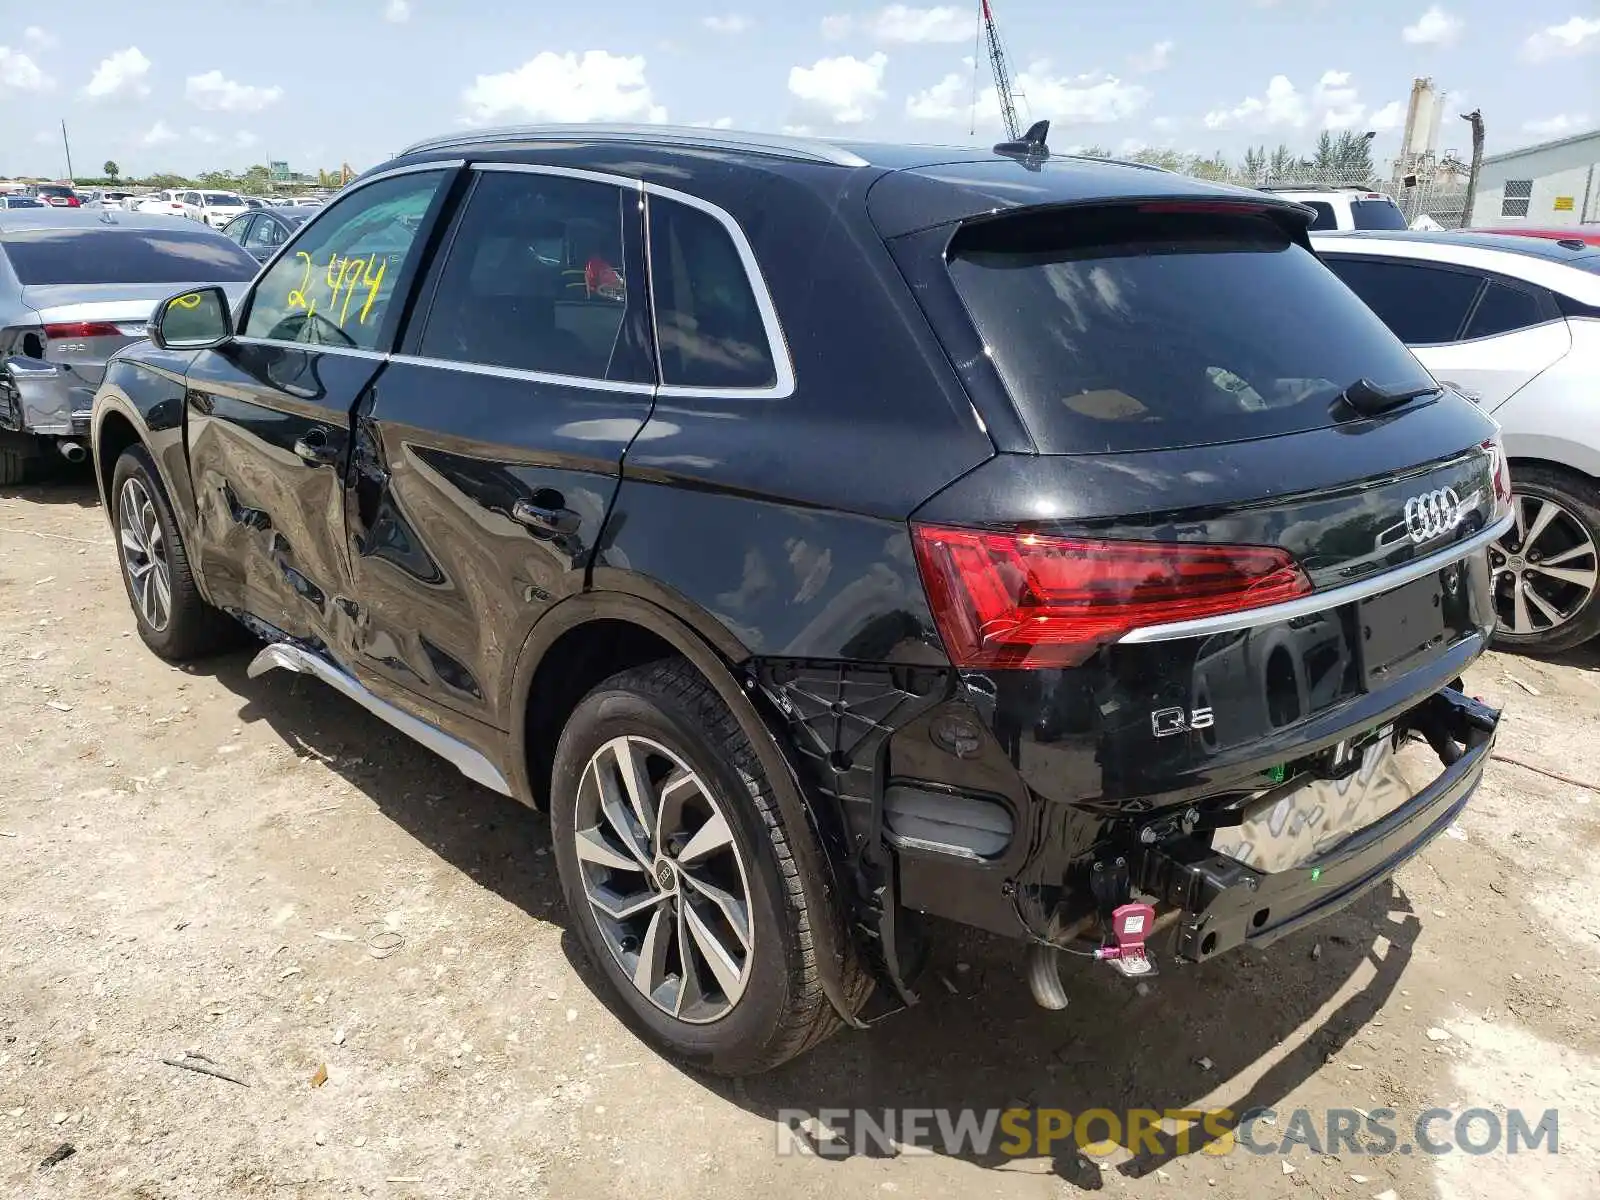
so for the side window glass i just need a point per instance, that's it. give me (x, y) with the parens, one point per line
(1324, 218)
(241, 230)
(1504, 309)
(334, 286)
(536, 279)
(264, 234)
(708, 325)
(1423, 305)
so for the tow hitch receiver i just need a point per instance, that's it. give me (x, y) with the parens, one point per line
(1126, 922)
(1130, 924)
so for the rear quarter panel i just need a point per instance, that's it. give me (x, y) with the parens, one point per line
(1556, 418)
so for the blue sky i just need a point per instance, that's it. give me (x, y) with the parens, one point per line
(158, 86)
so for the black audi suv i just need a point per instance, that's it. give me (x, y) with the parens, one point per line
(831, 535)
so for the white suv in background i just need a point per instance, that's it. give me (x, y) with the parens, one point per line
(1352, 207)
(215, 209)
(165, 203)
(1514, 325)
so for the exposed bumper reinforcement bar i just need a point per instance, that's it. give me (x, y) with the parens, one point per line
(1226, 903)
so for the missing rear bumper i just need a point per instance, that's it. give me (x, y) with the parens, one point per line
(1226, 903)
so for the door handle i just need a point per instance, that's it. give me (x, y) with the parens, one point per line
(545, 520)
(315, 449)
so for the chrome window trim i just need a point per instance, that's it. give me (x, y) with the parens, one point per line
(777, 343)
(311, 347)
(573, 381)
(1322, 601)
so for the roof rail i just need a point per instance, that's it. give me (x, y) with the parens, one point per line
(691, 137)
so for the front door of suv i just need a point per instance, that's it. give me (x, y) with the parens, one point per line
(269, 411)
(486, 457)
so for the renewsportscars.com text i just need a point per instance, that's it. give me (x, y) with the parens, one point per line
(1019, 1132)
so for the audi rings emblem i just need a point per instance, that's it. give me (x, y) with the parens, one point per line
(1432, 514)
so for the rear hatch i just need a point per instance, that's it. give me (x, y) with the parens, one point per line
(1197, 560)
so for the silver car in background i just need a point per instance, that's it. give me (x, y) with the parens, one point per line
(75, 287)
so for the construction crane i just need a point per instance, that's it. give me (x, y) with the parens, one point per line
(1002, 75)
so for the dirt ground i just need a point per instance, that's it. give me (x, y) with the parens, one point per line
(259, 872)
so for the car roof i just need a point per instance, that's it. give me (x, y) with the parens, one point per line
(1574, 273)
(912, 186)
(1532, 247)
(13, 220)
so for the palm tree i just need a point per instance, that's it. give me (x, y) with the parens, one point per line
(111, 169)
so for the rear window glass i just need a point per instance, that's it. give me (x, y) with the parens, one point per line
(1130, 329)
(1324, 218)
(1377, 214)
(224, 199)
(1504, 309)
(1424, 305)
(52, 189)
(110, 255)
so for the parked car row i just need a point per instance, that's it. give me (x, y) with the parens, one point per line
(76, 286)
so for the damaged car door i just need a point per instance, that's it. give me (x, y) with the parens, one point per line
(269, 410)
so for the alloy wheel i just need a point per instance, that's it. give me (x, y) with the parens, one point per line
(1545, 568)
(144, 554)
(664, 878)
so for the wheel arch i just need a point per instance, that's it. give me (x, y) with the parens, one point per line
(603, 614)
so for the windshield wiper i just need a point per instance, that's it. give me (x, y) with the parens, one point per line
(1370, 399)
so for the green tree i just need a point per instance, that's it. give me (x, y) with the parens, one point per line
(111, 169)
(255, 180)
(1255, 163)
(1096, 151)
(1156, 156)
(1215, 167)
(1282, 162)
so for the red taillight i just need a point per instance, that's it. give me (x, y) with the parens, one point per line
(73, 202)
(1026, 600)
(81, 329)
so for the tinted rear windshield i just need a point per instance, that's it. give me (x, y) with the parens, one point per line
(1135, 329)
(97, 254)
(52, 189)
(1377, 214)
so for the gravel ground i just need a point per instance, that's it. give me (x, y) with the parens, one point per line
(256, 871)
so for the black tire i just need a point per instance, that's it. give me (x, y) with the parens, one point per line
(193, 628)
(1580, 498)
(13, 465)
(782, 1011)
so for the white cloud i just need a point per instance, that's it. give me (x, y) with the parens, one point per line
(731, 23)
(19, 73)
(1282, 106)
(1557, 126)
(1157, 58)
(1095, 98)
(123, 74)
(47, 137)
(902, 23)
(944, 101)
(1433, 28)
(398, 12)
(244, 139)
(204, 136)
(1388, 118)
(158, 134)
(719, 123)
(1088, 99)
(40, 39)
(845, 89)
(212, 91)
(1577, 36)
(564, 87)
(799, 131)
(1337, 101)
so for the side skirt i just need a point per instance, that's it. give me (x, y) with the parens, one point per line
(464, 758)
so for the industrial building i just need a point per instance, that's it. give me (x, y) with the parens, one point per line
(1551, 184)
